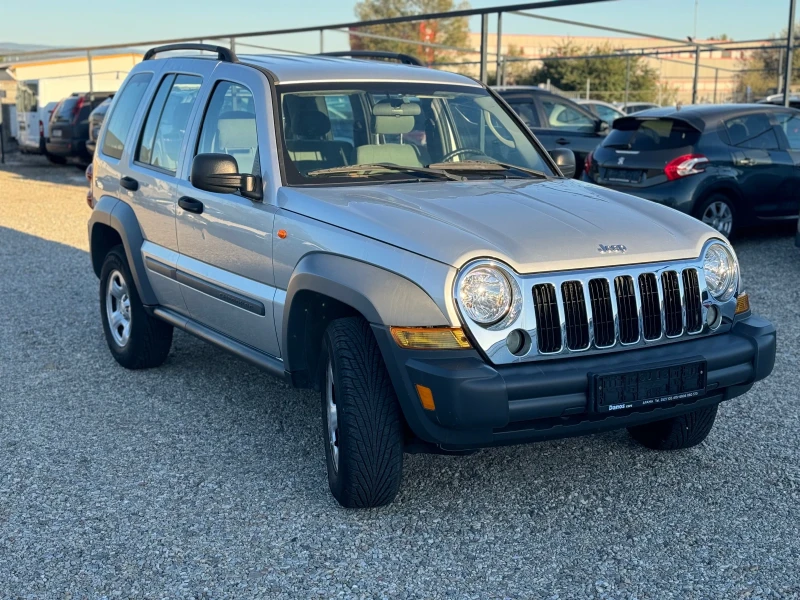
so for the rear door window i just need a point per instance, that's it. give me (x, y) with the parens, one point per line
(122, 116)
(561, 115)
(526, 111)
(752, 131)
(646, 135)
(161, 143)
(791, 127)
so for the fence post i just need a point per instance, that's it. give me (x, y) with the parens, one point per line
(627, 78)
(588, 87)
(716, 81)
(787, 70)
(696, 73)
(321, 41)
(484, 46)
(91, 76)
(233, 45)
(499, 46)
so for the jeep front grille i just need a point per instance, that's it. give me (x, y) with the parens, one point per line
(648, 306)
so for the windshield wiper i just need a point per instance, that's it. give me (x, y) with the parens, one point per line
(439, 174)
(484, 165)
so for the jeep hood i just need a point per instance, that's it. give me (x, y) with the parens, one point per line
(532, 225)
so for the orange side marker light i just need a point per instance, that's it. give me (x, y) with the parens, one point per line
(425, 397)
(282, 234)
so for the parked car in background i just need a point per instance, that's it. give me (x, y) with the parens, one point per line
(69, 127)
(556, 121)
(794, 101)
(634, 107)
(728, 165)
(604, 110)
(96, 118)
(36, 100)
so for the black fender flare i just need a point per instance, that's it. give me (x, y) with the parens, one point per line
(119, 216)
(381, 296)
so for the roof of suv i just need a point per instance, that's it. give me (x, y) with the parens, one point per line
(309, 68)
(700, 116)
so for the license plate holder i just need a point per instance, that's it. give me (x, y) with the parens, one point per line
(56, 133)
(623, 175)
(659, 384)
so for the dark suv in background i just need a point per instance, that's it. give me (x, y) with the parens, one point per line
(728, 165)
(96, 118)
(556, 121)
(69, 127)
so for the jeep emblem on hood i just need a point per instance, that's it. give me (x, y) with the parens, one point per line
(614, 248)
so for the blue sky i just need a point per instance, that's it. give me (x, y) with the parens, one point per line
(93, 22)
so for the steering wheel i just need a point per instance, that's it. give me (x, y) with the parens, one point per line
(460, 151)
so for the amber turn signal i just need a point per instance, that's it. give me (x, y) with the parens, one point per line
(430, 338)
(742, 303)
(425, 397)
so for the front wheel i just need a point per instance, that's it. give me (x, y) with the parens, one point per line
(683, 431)
(361, 417)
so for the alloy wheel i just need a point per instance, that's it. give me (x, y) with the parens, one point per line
(719, 216)
(118, 308)
(333, 416)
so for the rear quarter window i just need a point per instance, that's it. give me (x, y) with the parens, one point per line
(651, 135)
(751, 131)
(119, 123)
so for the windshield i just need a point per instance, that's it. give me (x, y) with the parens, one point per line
(328, 128)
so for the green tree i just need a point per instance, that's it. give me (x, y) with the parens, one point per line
(448, 32)
(761, 68)
(606, 74)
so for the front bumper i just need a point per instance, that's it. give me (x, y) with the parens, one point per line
(479, 405)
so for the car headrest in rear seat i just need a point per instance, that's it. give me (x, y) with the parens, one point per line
(311, 124)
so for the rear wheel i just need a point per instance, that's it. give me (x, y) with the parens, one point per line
(679, 432)
(136, 340)
(718, 212)
(361, 417)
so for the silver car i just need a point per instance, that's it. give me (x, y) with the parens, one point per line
(395, 238)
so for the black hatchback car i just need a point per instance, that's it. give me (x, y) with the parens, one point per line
(69, 127)
(556, 121)
(728, 165)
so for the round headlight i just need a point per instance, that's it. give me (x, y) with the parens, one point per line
(485, 294)
(720, 271)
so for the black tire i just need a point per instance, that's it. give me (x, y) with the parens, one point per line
(680, 432)
(715, 198)
(149, 340)
(369, 436)
(56, 160)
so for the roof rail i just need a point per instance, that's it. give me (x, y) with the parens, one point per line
(224, 54)
(405, 59)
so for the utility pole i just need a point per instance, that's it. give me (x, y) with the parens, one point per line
(787, 70)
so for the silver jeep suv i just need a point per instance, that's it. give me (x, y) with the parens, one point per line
(396, 238)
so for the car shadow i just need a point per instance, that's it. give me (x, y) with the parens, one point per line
(36, 168)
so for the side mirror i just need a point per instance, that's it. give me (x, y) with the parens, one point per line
(601, 127)
(219, 173)
(565, 159)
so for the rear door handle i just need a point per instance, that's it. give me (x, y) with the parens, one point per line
(191, 205)
(129, 183)
(562, 141)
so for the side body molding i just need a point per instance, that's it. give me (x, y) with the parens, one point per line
(381, 296)
(119, 216)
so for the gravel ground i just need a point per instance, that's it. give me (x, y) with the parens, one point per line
(205, 478)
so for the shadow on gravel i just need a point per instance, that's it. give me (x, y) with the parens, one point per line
(36, 168)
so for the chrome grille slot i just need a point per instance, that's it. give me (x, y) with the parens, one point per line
(673, 304)
(602, 313)
(694, 306)
(651, 306)
(575, 315)
(548, 321)
(627, 309)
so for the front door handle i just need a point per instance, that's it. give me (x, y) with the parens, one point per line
(129, 183)
(191, 205)
(562, 141)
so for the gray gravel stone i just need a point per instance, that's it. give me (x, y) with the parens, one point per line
(205, 478)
